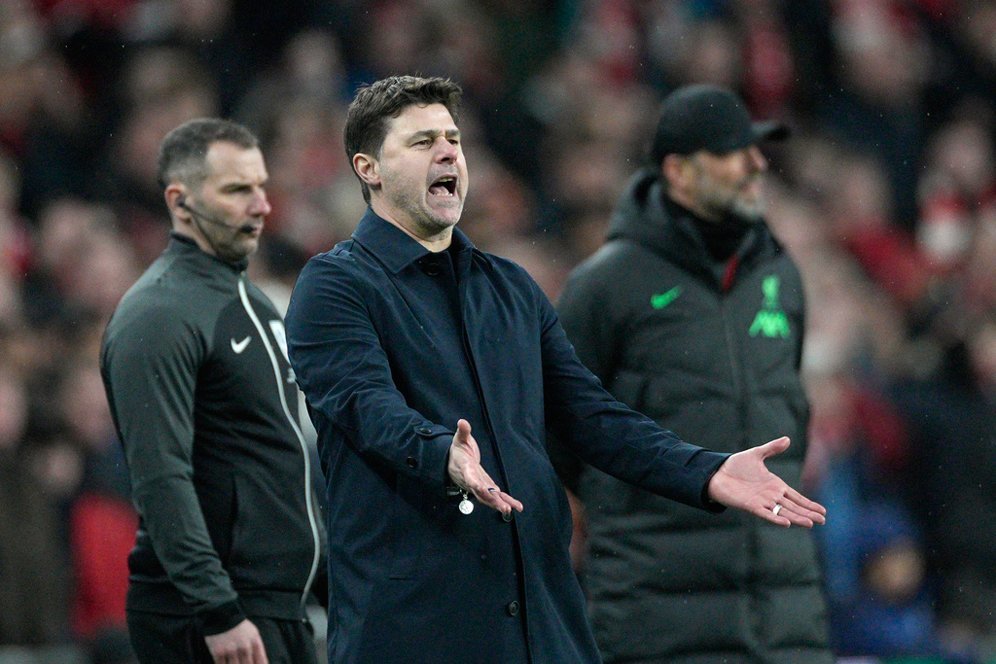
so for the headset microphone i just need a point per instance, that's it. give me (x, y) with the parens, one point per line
(182, 202)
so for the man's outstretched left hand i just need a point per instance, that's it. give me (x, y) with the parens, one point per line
(744, 482)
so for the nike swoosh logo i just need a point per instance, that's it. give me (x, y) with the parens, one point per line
(661, 300)
(239, 346)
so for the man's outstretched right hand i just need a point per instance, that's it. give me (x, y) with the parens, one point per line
(466, 472)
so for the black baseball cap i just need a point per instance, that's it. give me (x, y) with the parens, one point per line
(708, 117)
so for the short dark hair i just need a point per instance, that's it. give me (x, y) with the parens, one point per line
(182, 151)
(366, 119)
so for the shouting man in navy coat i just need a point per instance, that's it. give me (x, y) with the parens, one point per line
(433, 372)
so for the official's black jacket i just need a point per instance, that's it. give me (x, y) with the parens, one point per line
(711, 350)
(195, 365)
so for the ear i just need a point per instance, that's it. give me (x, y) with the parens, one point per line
(367, 168)
(175, 195)
(676, 170)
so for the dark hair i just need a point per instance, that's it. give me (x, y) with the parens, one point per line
(182, 152)
(366, 120)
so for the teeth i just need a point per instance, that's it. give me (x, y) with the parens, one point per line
(447, 183)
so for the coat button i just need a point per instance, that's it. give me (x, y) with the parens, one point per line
(512, 609)
(412, 462)
(507, 518)
(425, 431)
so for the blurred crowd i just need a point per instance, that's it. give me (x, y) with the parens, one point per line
(885, 196)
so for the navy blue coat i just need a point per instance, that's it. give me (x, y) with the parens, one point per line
(392, 345)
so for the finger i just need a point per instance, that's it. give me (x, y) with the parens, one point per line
(503, 498)
(774, 447)
(514, 503)
(488, 493)
(259, 653)
(807, 516)
(768, 514)
(805, 503)
(505, 503)
(463, 432)
(796, 516)
(492, 499)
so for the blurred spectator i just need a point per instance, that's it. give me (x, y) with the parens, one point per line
(102, 521)
(502, 208)
(953, 416)
(873, 551)
(883, 70)
(770, 71)
(160, 88)
(34, 589)
(16, 250)
(891, 612)
(311, 68)
(82, 267)
(307, 167)
(22, 37)
(392, 38)
(958, 186)
(860, 206)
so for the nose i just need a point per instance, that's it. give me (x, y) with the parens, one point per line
(758, 162)
(447, 151)
(260, 206)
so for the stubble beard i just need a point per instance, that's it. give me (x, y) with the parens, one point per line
(727, 202)
(428, 223)
(239, 249)
(425, 223)
(231, 244)
(752, 211)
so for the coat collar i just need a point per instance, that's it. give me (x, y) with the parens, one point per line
(396, 249)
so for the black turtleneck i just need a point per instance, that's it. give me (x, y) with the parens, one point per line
(721, 238)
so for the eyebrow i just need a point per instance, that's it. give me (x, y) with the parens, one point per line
(433, 133)
(239, 183)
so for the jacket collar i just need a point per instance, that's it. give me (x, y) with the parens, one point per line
(396, 249)
(646, 215)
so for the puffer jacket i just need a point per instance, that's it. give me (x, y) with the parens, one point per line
(711, 350)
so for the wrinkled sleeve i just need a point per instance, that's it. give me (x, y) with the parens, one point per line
(150, 367)
(345, 374)
(609, 435)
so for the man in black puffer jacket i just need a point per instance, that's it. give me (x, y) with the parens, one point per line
(693, 314)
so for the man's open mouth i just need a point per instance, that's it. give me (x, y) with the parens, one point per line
(444, 186)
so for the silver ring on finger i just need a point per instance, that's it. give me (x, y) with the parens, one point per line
(776, 509)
